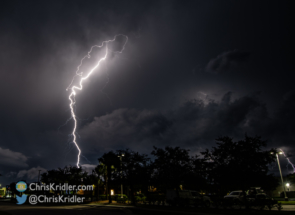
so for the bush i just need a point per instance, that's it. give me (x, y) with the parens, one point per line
(140, 198)
(155, 197)
(118, 196)
(121, 200)
(137, 198)
(102, 197)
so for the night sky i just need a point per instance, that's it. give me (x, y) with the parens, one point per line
(191, 71)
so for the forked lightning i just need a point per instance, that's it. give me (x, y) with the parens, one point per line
(73, 88)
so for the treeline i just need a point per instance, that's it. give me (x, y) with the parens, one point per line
(228, 166)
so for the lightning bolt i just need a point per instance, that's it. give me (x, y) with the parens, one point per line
(73, 88)
(288, 160)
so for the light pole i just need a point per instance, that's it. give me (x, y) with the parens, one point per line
(120, 156)
(286, 198)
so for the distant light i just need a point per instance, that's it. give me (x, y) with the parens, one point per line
(287, 184)
(280, 153)
(112, 192)
(271, 153)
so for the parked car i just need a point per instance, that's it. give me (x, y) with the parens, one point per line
(255, 191)
(186, 198)
(235, 196)
(261, 200)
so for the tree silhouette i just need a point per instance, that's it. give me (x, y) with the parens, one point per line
(96, 178)
(172, 167)
(239, 165)
(136, 171)
(68, 174)
(198, 178)
(291, 178)
(100, 170)
(111, 162)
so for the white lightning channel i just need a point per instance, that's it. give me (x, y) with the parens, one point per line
(80, 87)
(288, 160)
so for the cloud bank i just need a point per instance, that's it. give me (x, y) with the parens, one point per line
(12, 159)
(31, 173)
(193, 125)
(226, 61)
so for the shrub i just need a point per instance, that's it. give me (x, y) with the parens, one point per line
(155, 197)
(121, 200)
(102, 197)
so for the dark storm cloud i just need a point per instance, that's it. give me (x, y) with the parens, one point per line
(41, 46)
(12, 159)
(284, 126)
(134, 127)
(10, 174)
(32, 173)
(192, 125)
(227, 60)
(42, 43)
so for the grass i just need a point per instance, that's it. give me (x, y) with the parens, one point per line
(287, 202)
(160, 210)
(217, 212)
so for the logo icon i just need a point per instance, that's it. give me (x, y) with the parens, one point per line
(21, 186)
(21, 199)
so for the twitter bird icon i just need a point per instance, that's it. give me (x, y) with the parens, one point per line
(21, 199)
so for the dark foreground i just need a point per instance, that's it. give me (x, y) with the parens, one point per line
(160, 210)
(7, 208)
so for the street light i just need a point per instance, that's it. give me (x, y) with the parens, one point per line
(120, 156)
(288, 185)
(277, 156)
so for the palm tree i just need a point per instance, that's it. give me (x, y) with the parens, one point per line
(101, 171)
(110, 161)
